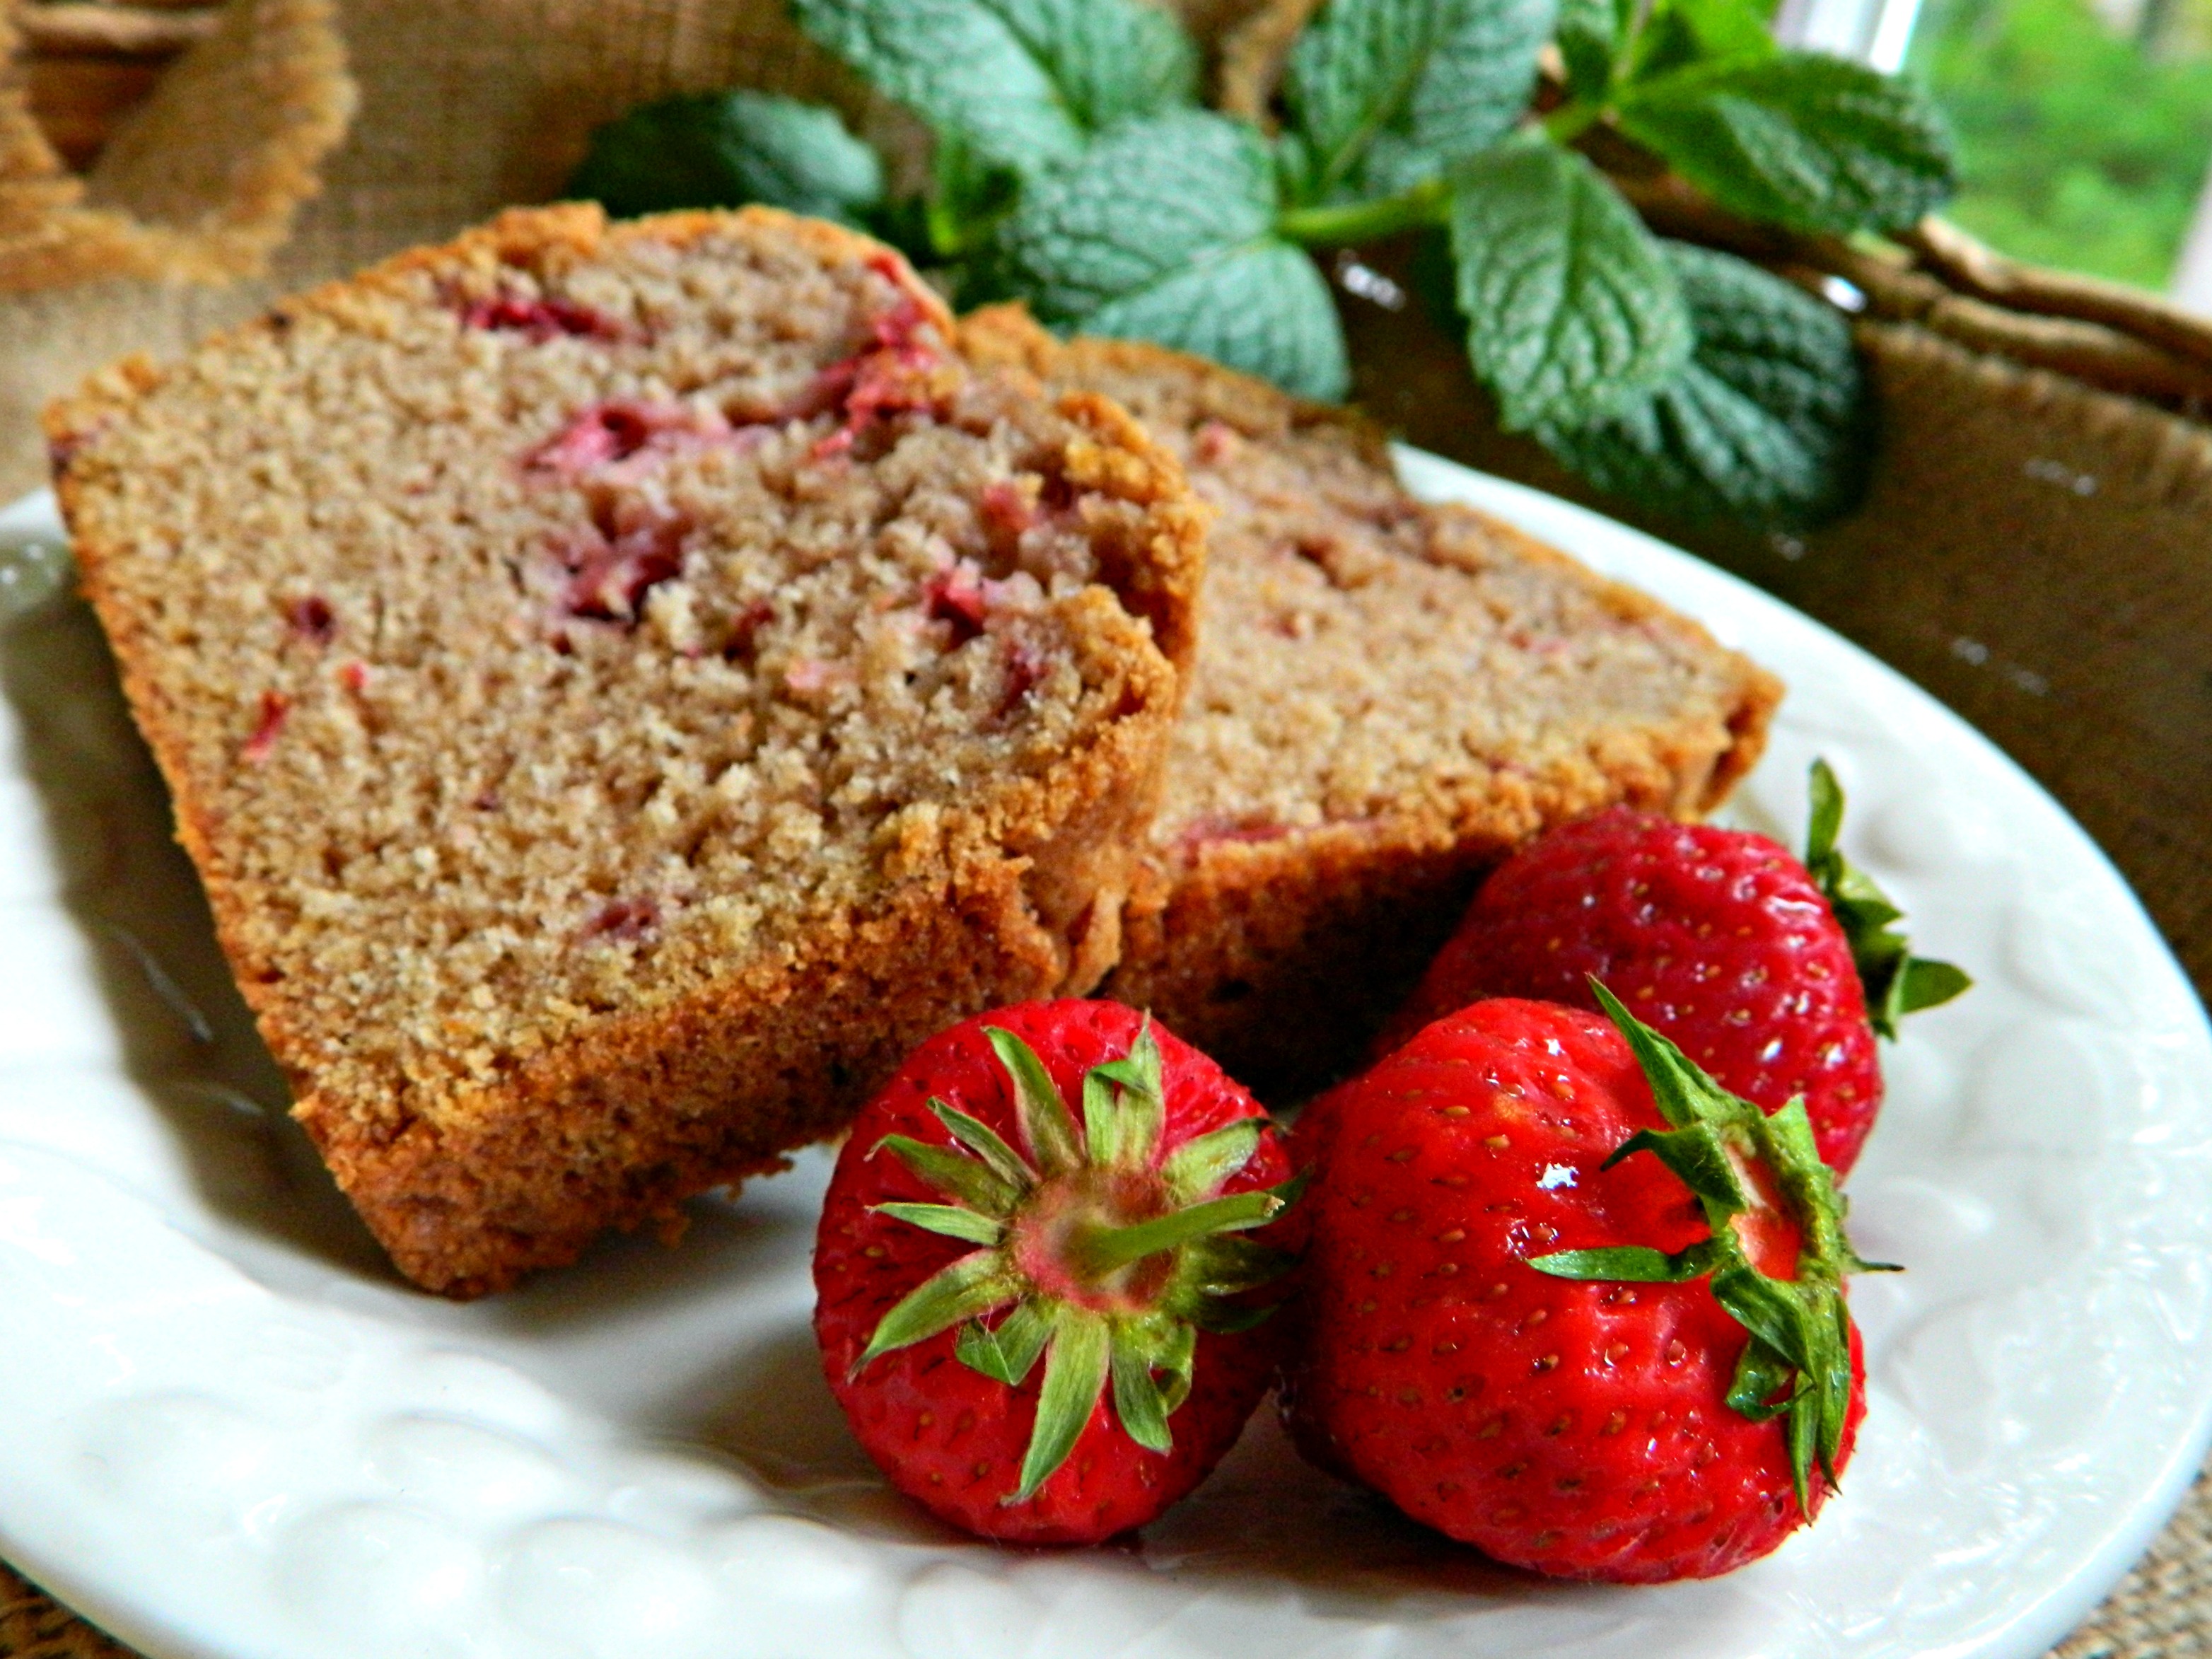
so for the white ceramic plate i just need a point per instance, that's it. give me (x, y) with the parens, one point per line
(227, 1430)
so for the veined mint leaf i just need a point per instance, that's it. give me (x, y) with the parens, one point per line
(1590, 34)
(725, 148)
(1800, 139)
(1572, 308)
(1112, 59)
(1384, 93)
(1023, 83)
(1163, 231)
(1261, 308)
(1767, 423)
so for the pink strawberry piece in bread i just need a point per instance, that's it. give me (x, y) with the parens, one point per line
(540, 317)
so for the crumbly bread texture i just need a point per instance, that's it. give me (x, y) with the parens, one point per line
(623, 687)
(1389, 695)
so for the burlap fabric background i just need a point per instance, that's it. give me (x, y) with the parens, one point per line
(2038, 554)
(202, 181)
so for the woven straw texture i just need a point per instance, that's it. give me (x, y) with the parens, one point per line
(201, 182)
(2032, 550)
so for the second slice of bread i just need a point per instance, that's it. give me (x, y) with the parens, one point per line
(1389, 695)
(622, 688)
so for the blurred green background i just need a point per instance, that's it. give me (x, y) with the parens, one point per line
(2084, 129)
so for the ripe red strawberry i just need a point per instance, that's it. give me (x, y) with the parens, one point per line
(974, 1225)
(1530, 1337)
(1762, 969)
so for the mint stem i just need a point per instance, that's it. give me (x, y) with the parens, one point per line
(1425, 203)
(1569, 121)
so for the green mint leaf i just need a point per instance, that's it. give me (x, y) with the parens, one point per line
(1163, 231)
(1023, 83)
(1113, 60)
(1768, 422)
(1590, 34)
(1384, 94)
(968, 195)
(1572, 308)
(1799, 139)
(1679, 32)
(726, 149)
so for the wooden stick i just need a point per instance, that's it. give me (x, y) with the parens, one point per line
(1966, 265)
(88, 25)
(78, 100)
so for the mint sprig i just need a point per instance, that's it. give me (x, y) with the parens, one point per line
(1024, 83)
(1797, 1364)
(1165, 231)
(1074, 170)
(712, 148)
(1797, 139)
(1570, 307)
(1384, 95)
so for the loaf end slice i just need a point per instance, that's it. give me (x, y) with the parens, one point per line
(1388, 697)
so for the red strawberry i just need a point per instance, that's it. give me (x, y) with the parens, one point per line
(1674, 1419)
(974, 1225)
(1762, 969)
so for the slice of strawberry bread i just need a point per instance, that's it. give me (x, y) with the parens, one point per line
(1389, 695)
(622, 688)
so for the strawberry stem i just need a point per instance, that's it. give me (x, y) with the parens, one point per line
(1896, 982)
(1044, 1254)
(1102, 1250)
(1797, 1364)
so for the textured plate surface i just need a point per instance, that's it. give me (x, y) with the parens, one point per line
(226, 1429)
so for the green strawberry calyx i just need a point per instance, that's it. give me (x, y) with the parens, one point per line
(1096, 1252)
(1797, 1365)
(1897, 982)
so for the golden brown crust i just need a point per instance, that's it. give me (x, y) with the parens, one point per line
(1281, 958)
(1159, 573)
(1279, 949)
(1017, 894)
